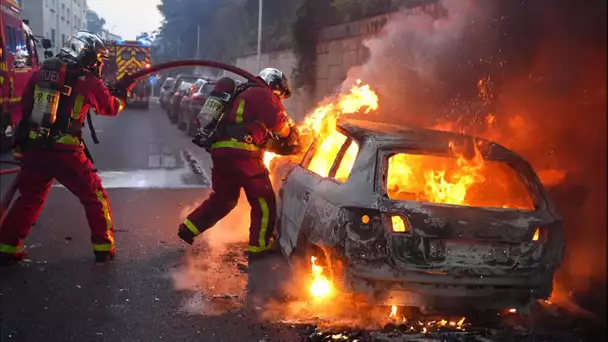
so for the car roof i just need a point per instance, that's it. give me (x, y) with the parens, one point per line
(390, 136)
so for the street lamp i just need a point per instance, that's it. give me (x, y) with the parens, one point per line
(260, 35)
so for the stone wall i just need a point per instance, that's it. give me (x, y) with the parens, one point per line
(340, 48)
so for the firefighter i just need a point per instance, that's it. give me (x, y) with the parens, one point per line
(55, 103)
(253, 120)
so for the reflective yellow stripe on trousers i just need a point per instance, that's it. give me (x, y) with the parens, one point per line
(105, 247)
(192, 227)
(10, 249)
(263, 228)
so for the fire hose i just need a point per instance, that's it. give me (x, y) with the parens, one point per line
(126, 82)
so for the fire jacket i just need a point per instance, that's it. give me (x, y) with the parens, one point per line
(88, 92)
(260, 112)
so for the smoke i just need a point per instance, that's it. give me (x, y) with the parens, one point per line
(209, 271)
(539, 69)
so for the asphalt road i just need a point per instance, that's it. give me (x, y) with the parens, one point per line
(61, 294)
(158, 288)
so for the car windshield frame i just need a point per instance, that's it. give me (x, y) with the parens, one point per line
(333, 170)
(521, 168)
(182, 88)
(200, 89)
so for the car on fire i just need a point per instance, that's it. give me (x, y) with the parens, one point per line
(397, 216)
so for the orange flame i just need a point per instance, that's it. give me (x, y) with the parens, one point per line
(322, 122)
(321, 286)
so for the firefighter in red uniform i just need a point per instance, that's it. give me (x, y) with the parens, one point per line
(254, 118)
(54, 106)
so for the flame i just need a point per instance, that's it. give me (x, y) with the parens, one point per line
(457, 181)
(321, 286)
(322, 123)
(393, 313)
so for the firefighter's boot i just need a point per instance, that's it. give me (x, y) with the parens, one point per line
(104, 256)
(7, 259)
(185, 234)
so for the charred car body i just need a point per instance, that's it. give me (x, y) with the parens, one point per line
(398, 246)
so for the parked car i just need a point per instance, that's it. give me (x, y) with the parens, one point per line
(171, 104)
(185, 101)
(165, 90)
(192, 107)
(363, 209)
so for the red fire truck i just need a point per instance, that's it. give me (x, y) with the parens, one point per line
(18, 60)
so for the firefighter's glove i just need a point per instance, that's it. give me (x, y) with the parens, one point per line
(119, 90)
(204, 138)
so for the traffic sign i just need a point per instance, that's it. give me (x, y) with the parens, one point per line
(153, 80)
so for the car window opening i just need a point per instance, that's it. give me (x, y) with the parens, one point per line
(456, 181)
(325, 154)
(347, 162)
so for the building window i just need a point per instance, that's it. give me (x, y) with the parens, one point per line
(62, 39)
(53, 36)
(11, 40)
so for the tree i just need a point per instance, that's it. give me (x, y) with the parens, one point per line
(144, 35)
(95, 23)
(226, 27)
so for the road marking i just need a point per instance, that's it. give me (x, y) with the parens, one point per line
(168, 161)
(154, 161)
(150, 179)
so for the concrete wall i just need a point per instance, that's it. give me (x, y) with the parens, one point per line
(340, 48)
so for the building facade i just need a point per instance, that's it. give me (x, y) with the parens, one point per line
(55, 19)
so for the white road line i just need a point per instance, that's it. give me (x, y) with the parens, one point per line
(154, 161)
(168, 161)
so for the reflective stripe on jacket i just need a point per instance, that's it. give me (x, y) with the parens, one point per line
(260, 111)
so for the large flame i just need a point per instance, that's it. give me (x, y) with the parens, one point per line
(322, 123)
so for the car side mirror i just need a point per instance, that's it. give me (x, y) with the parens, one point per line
(46, 43)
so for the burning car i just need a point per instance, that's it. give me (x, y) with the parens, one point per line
(420, 218)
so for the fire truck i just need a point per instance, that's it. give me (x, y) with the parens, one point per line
(18, 60)
(127, 57)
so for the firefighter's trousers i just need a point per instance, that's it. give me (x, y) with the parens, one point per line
(228, 176)
(74, 171)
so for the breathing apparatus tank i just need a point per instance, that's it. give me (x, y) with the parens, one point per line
(213, 110)
(47, 93)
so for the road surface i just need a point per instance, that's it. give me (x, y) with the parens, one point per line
(157, 288)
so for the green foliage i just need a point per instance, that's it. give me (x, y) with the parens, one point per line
(226, 27)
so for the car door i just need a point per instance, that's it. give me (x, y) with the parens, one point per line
(301, 186)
